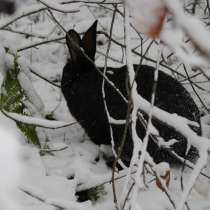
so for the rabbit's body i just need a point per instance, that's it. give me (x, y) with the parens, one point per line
(82, 89)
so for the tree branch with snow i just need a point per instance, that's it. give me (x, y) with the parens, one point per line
(187, 24)
(193, 52)
(39, 122)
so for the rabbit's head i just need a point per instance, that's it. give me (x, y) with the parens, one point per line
(81, 51)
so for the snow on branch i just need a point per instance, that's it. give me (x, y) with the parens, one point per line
(139, 146)
(183, 24)
(201, 143)
(192, 178)
(187, 25)
(190, 24)
(172, 120)
(50, 124)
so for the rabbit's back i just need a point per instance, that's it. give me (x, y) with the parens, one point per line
(85, 101)
(171, 96)
(82, 88)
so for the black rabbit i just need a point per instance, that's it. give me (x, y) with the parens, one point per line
(82, 88)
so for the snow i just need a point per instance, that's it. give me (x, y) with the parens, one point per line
(69, 162)
(161, 168)
(205, 120)
(71, 205)
(28, 88)
(21, 13)
(10, 164)
(58, 7)
(190, 25)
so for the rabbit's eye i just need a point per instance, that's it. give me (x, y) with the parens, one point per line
(100, 42)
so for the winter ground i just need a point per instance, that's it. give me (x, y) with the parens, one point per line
(50, 181)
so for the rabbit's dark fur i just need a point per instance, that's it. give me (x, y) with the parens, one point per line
(82, 88)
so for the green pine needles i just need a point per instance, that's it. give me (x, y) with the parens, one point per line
(12, 99)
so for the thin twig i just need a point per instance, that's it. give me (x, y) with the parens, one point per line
(43, 78)
(38, 43)
(25, 33)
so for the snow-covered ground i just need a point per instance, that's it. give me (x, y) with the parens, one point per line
(49, 181)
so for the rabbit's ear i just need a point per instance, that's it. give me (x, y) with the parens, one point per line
(89, 41)
(72, 39)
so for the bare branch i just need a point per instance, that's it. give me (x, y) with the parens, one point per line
(38, 43)
(43, 78)
(22, 13)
